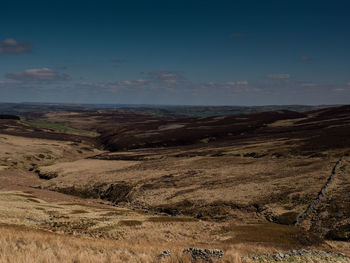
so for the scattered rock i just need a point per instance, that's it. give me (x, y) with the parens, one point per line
(37, 220)
(280, 256)
(46, 175)
(165, 253)
(204, 254)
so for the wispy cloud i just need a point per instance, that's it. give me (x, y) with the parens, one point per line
(118, 60)
(234, 35)
(37, 75)
(305, 58)
(227, 85)
(10, 84)
(165, 77)
(308, 84)
(162, 79)
(12, 46)
(170, 81)
(117, 85)
(278, 76)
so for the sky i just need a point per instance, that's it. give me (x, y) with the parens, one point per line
(175, 52)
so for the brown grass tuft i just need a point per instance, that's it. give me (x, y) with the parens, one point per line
(170, 219)
(280, 235)
(79, 211)
(129, 223)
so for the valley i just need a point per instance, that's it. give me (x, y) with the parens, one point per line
(146, 183)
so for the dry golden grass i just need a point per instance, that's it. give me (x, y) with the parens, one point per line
(277, 180)
(240, 186)
(89, 233)
(18, 244)
(17, 208)
(89, 170)
(21, 152)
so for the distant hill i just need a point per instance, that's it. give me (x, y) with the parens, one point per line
(160, 110)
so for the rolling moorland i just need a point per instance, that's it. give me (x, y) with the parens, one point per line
(81, 184)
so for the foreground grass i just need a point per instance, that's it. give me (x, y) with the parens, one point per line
(18, 244)
(32, 230)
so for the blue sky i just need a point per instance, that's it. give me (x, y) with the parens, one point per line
(175, 52)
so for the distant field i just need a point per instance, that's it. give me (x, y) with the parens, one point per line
(58, 126)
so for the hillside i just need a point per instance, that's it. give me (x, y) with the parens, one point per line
(234, 175)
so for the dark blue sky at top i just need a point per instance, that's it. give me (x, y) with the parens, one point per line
(175, 52)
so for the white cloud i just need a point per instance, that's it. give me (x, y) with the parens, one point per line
(231, 86)
(165, 77)
(37, 75)
(170, 81)
(279, 76)
(308, 85)
(117, 85)
(12, 46)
